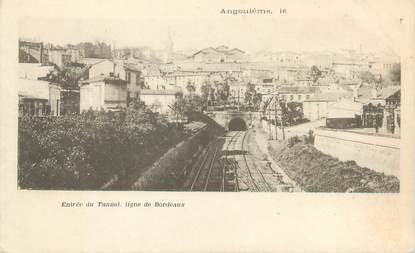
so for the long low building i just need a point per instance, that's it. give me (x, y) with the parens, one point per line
(317, 107)
(38, 98)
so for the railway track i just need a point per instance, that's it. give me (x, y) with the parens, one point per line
(252, 180)
(218, 167)
(256, 178)
(210, 172)
(231, 165)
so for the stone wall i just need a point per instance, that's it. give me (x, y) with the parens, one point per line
(223, 118)
(379, 153)
(169, 172)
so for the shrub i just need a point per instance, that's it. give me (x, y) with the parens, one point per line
(315, 171)
(84, 151)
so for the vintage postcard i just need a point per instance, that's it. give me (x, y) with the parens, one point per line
(154, 111)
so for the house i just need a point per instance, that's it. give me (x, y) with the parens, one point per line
(159, 101)
(153, 78)
(60, 56)
(345, 113)
(119, 70)
(316, 107)
(289, 73)
(98, 67)
(134, 80)
(32, 52)
(104, 92)
(382, 64)
(183, 79)
(349, 69)
(387, 96)
(218, 54)
(38, 98)
(303, 81)
(352, 84)
(293, 93)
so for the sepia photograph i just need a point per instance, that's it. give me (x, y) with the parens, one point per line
(301, 107)
(207, 126)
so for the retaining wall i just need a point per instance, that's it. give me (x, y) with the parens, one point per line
(379, 153)
(169, 172)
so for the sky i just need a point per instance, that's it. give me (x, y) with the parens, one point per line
(262, 33)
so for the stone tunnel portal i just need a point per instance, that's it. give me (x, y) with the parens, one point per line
(237, 124)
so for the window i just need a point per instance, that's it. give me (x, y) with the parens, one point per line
(307, 96)
(299, 97)
(291, 97)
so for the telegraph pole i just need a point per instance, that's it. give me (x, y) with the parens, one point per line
(269, 120)
(239, 105)
(282, 126)
(276, 103)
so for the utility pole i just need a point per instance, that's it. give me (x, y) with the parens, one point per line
(282, 125)
(276, 105)
(239, 106)
(269, 121)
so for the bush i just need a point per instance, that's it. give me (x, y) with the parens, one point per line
(84, 151)
(315, 171)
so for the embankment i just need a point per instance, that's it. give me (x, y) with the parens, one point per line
(170, 171)
(315, 171)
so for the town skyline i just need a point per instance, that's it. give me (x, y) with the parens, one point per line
(339, 34)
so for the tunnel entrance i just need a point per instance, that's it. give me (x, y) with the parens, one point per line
(237, 124)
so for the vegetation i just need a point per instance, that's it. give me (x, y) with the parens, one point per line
(84, 151)
(69, 76)
(368, 77)
(216, 93)
(395, 74)
(97, 50)
(315, 73)
(292, 113)
(315, 171)
(252, 98)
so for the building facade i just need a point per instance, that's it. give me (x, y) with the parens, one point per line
(107, 93)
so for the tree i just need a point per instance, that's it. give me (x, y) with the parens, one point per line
(156, 106)
(250, 93)
(315, 73)
(97, 50)
(84, 151)
(206, 89)
(69, 76)
(179, 106)
(257, 100)
(293, 112)
(395, 74)
(190, 87)
(367, 77)
(223, 92)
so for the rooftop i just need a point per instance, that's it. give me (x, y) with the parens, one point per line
(34, 88)
(159, 92)
(104, 78)
(329, 96)
(92, 61)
